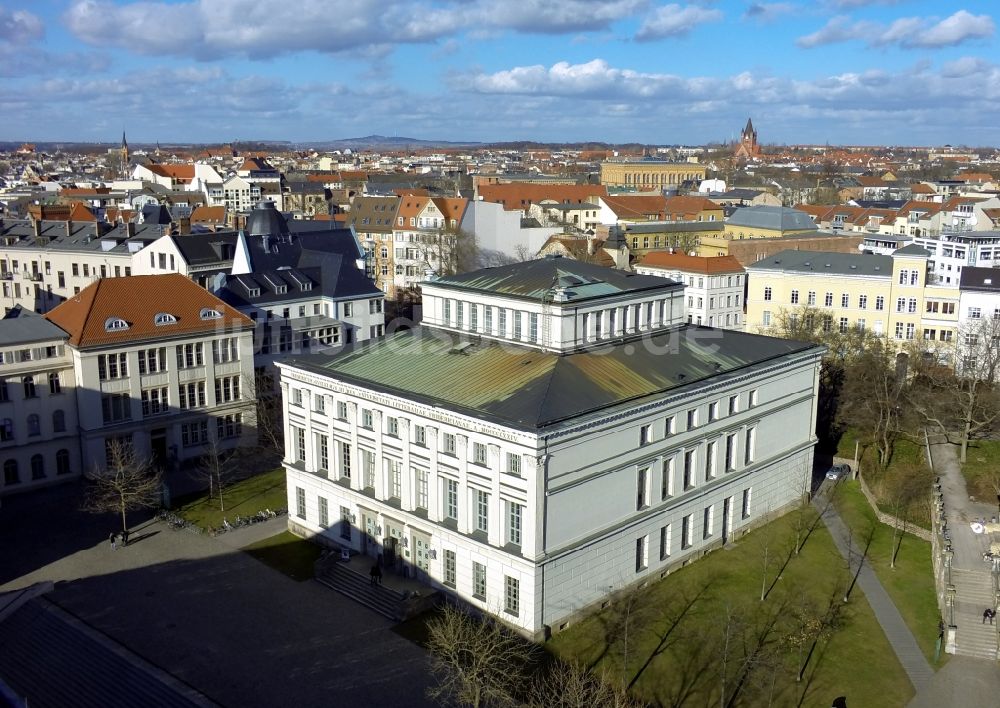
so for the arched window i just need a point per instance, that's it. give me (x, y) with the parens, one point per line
(115, 324)
(208, 313)
(164, 318)
(6, 430)
(34, 425)
(59, 422)
(29, 387)
(37, 467)
(10, 475)
(62, 462)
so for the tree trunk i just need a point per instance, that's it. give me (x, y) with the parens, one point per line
(124, 523)
(966, 433)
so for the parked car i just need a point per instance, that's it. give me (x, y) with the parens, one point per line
(838, 472)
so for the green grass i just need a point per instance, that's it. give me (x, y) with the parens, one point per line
(911, 583)
(288, 554)
(855, 661)
(243, 498)
(981, 459)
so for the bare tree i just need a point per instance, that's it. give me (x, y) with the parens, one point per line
(129, 482)
(477, 661)
(907, 485)
(567, 685)
(217, 466)
(873, 398)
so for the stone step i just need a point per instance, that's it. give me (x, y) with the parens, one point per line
(379, 598)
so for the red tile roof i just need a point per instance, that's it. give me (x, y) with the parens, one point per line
(208, 215)
(708, 265)
(137, 300)
(518, 195)
(173, 171)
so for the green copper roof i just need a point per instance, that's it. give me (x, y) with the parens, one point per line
(530, 389)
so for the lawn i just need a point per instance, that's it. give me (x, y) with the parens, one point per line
(911, 583)
(725, 615)
(288, 554)
(243, 498)
(982, 459)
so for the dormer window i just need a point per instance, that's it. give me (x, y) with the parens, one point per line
(208, 313)
(115, 324)
(164, 318)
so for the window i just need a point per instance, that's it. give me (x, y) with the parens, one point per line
(710, 460)
(324, 513)
(765, 318)
(692, 419)
(345, 460)
(517, 325)
(420, 479)
(899, 330)
(642, 488)
(713, 411)
(828, 300)
(479, 453)
(342, 410)
(10, 473)
(514, 464)
(687, 528)
(4, 393)
(532, 327)
(392, 426)
(189, 355)
(194, 433)
(843, 325)
(62, 462)
(323, 452)
(229, 426)
(34, 425)
(975, 313)
(319, 403)
(668, 428)
(6, 430)
(449, 568)
(459, 313)
(688, 469)
(368, 468)
(795, 297)
(514, 516)
(482, 510)
(420, 435)
(753, 398)
(748, 449)
(449, 444)
(478, 580)
(116, 407)
(502, 322)
(348, 309)
(394, 469)
(767, 293)
(664, 542)
(152, 361)
(451, 499)
(488, 319)
(300, 502)
(910, 330)
(845, 300)
(645, 434)
(473, 317)
(862, 302)
(154, 401)
(746, 503)
(191, 395)
(667, 479)
(112, 366)
(225, 350)
(345, 523)
(511, 595)
(812, 298)
(708, 522)
(367, 420)
(641, 554)
(734, 404)
(879, 302)
(59, 422)
(54, 385)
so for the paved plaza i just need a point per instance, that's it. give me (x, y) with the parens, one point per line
(236, 630)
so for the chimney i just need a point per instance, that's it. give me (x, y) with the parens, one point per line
(129, 229)
(69, 228)
(37, 225)
(185, 224)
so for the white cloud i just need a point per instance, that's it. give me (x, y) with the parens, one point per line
(209, 29)
(675, 20)
(905, 32)
(965, 67)
(20, 26)
(765, 12)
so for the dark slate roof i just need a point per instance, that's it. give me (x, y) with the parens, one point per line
(913, 250)
(204, 248)
(156, 214)
(826, 262)
(980, 279)
(21, 326)
(266, 219)
(535, 280)
(82, 236)
(529, 389)
(772, 217)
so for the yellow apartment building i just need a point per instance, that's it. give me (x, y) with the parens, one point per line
(885, 294)
(758, 222)
(646, 174)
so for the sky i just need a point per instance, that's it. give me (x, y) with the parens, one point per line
(859, 72)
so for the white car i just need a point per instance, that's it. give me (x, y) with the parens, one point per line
(838, 471)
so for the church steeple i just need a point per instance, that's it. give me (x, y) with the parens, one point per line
(123, 158)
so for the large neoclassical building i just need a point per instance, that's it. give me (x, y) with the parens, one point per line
(553, 431)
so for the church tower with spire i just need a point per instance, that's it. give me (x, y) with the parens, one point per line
(748, 146)
(123, 158)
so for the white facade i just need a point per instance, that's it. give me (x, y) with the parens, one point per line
(498, 230)
(715, 300)
(536, 524)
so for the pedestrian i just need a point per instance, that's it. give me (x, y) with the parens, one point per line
(993, 613)
(114, 541)
(375, 571)
(378, 574)
(987, 615)
(125, 537)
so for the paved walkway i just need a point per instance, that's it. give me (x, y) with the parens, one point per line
(233, 628)
(896, 631)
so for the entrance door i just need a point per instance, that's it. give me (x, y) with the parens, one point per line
(390, 549)
(369, 546)
(158, 446)
(727, 518)
(421, 556)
